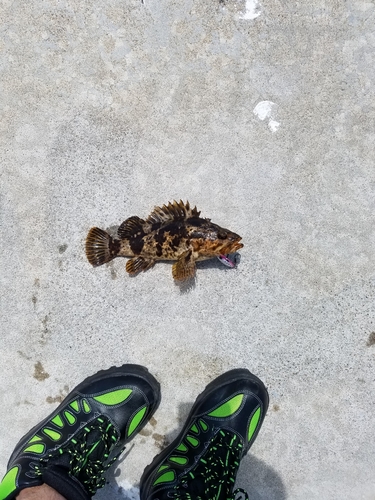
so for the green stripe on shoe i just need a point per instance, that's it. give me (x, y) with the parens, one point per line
(74, 405)
(114, 397)
(167, 477)
(163, 467)
(70, 417)
(136, 420)
(253, 423)
(203, 425)
(54, 435)
(35, 438)
(182, 447)
(57, 420)
(35, 448)
(178, 460)
(192, 440)
(8, 484)
(86, 407)
(229, 408)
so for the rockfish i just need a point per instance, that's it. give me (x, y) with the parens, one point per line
(171, 232)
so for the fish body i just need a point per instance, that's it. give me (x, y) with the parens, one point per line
(171, 232)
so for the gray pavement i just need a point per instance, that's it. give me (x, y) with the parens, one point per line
(261, 114)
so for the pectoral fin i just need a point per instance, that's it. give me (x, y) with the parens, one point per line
(138, 264)
(184, 268)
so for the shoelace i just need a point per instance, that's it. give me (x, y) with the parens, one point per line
(241, 491)
(87, 454)
(214, 475)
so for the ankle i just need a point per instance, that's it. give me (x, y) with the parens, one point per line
(43, 492)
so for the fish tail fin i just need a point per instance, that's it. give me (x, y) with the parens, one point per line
(100, 247)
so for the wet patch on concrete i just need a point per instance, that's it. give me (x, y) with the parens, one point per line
(62, 248)
(60, 397)
(371, 339)
(24, 402)
(23, 355)
(113, 271)
(145, 432)
(160, 440)
(45, 331)
(39, 372)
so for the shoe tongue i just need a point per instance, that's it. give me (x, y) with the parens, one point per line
(58, 478)
(95, 446)
(57, 474)
(215, 473)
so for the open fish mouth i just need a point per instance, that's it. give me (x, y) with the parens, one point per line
(226, 260)
(229, 260)
(229, 256)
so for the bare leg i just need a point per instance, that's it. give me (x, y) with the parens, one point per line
(43, 492)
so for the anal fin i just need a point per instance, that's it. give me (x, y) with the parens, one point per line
(185, 267)
(138, 264)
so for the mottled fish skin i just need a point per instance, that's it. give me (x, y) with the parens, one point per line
(171, 232)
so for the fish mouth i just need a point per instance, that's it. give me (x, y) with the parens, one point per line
(206, 249)
(231, 247)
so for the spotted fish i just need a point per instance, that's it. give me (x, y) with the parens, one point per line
(171, 232)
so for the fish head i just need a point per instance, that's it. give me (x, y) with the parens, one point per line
(211, 240)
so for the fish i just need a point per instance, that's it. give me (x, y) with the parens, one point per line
(173, 232)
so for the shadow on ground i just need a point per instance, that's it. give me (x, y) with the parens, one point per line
(259, 480)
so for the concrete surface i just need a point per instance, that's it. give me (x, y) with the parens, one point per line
(261, 114)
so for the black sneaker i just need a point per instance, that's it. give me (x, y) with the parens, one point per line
(202, 462)
(72, 448)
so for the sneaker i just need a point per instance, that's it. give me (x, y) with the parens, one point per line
(73, 447)
(203, 460)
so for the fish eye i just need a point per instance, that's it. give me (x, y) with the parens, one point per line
(221, 235)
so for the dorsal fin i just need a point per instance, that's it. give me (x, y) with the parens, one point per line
(134, 226)
(172, 211)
